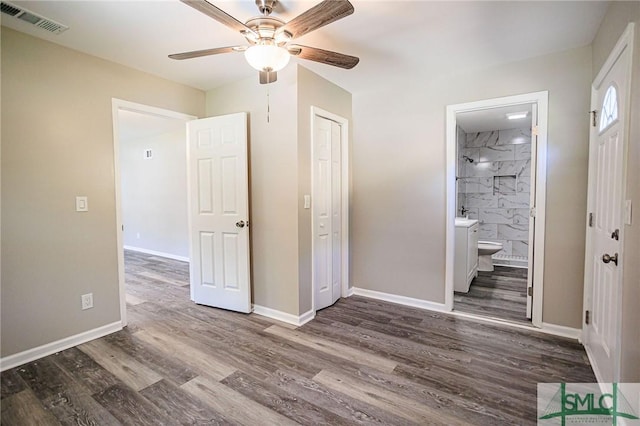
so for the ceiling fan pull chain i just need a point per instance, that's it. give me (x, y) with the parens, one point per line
(268, 106)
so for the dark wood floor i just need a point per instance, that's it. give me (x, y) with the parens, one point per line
(361, 361)
(498, 294)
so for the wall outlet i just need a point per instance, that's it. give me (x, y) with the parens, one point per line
(87, 301)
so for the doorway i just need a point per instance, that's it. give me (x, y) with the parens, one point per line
(496, 171)
(144, 137)
(329, 207)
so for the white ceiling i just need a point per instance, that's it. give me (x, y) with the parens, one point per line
(493, 119)
(394, 39)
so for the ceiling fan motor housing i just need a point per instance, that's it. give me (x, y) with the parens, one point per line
(264, 30)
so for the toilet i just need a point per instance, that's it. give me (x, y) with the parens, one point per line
(486, 249)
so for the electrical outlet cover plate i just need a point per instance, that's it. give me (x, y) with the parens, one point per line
(82, 204)
(87, 301)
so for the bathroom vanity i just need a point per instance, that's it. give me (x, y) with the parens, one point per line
(465, 265)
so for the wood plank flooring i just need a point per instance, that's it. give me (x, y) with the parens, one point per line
(361, 361)
(498, 294)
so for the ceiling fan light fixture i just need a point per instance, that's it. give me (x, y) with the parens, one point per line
(267, 57)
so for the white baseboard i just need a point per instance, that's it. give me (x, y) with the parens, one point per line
(29, 355)
(561, 330)
(283, 316)
(306, 317)
(557, 330)
(157, 253)
(594, 366)
(350, 292)
(401, 300)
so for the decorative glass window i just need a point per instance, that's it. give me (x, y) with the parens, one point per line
(609, 112)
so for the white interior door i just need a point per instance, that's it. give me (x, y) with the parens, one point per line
(532, 206)
(604, 249)
(327, 212)
(219, 212)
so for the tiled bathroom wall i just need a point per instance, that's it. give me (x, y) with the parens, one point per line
(494, 188)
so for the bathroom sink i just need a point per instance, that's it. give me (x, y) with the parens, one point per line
(462, 221)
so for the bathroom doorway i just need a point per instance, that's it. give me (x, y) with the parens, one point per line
(496, 168)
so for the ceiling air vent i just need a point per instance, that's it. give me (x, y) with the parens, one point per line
(32, 18)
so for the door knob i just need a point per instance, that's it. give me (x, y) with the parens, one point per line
(240, 224)
(606, 258)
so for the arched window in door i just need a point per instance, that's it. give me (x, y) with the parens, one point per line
(609, 109)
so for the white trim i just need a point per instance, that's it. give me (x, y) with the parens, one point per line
(350, 292)
(542, 100)
(345, 179)
(116, 106)
(556, 330)
(594, 366)
(157, 253)
(283, 316)
(624, 43)
(401, 300)
(561, 330)
(57, 346)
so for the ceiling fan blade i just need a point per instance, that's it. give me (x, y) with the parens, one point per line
(217, 14)
(323, 56)
(207, 52)
(318, 16)
(267, 77)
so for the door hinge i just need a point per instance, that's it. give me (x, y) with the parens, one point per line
(591, 220)
(586, 317)
(530, 291)
(532, 212)
(594, 117)
(534, 131)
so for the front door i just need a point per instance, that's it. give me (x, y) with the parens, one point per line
(327, 212)
(605, 199)
(219, 212)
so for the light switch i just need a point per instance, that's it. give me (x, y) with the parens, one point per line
(82, 204)
(307, 201)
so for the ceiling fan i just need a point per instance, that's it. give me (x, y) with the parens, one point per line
(270, 38)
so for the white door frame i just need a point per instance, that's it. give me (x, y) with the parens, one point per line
(542, 100)
(116, 106)
(625, 42)
(345, 179)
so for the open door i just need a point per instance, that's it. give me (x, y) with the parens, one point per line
(219, 212)
(532, 206)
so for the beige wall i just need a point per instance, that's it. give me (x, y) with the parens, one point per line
(313, 90)
(615, 22)
(154, 192)
(273, 172)
(398, 211)
(57, 143)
